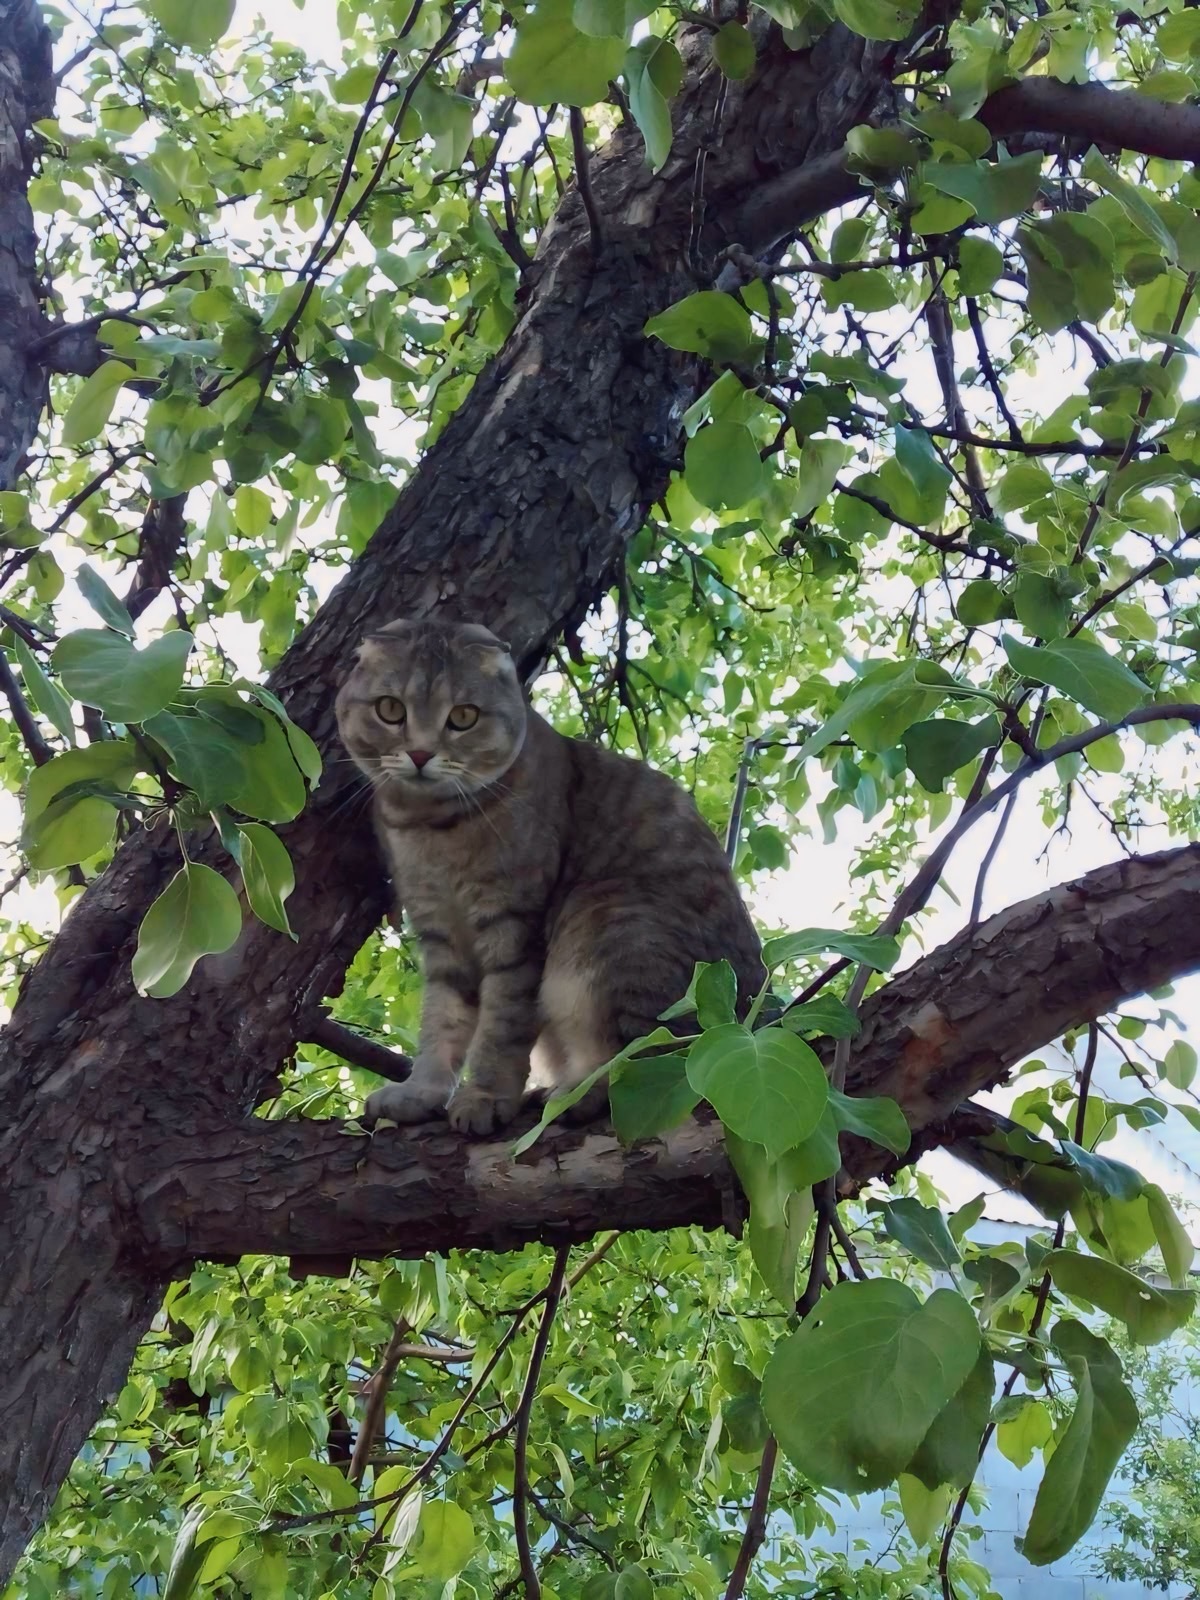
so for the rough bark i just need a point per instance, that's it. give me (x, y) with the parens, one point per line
(26, 96)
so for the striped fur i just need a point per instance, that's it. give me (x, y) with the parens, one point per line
(561, 894)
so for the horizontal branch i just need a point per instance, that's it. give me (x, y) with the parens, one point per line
(952, 1025)
(1087, 112)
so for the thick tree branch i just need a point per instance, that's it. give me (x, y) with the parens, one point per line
(950, 1026)
(1087, 112)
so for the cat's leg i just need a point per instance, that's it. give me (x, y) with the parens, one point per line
(576, 1020)
(448, 1017)
(509, 952)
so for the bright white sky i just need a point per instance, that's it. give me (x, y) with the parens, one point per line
(815, 889)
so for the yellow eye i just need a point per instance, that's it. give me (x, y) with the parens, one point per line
(462, 717)
(389, 709)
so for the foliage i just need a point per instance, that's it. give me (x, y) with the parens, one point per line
(1151, 1535)
(294, 268)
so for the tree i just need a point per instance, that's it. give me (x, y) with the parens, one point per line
(596, 346)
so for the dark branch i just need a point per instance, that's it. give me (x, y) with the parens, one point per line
(358, 1050)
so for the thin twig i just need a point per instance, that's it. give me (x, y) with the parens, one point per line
(27, 727)
(583, 180)
(734, 828)
(529, 1577)
(377, 1388)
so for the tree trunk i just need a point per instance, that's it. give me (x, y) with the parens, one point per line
(26, 96)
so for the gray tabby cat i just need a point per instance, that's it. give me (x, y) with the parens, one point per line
(561, 894)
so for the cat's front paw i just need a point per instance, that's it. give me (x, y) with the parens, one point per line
(412, 1101)
(473, 1109)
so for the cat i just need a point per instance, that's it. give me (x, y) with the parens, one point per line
(560, 894)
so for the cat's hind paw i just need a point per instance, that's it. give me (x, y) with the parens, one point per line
(479, 1111)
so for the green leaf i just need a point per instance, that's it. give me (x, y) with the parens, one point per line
(201, 754)
(651, 1097)
(881, 705)
(922, 1231)
(1132, 201)
(878, 19)
(45, 694)
(851, 1396)
(722, 465)
(715, 992)
(267, 874)
(1081, 670)
(994, 190)
(924, 1510)
(708, 323)
(779, 1215)
(554, 61)
(869, 949)
(103, 601)
(66, 820)
(928, 475)
(1179, 1064)
(1030, 1429)
(1151, 1315)
(272, 789)
(1040, 605)
(980, 263)
(769, 1087)
(873, 1117)
(101, 668)
(1104, 1175)
(825, 1015)
(196, 915)
(1173, 1241)
(1088, 1449)
(733, 50)
(653, 73)
(445, 1540)
(937, 748)
(183, 1572)
(949, 1452)
(633, 1583)
(93, 403)
(199, 24)
(304, 752)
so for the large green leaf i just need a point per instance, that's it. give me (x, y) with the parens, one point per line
(201, 754)
(1150, 1314)
(922, 1231)
(1084, 671)
(103, 601)
(45, 694)
(196, 915)
(1088, 1448)
(768, 1087)
(708, 323)
(651, 1097)
(267, 874)
(93, 402)
(873, 1117)
(939, 747)
(722, 466)
(879, 708)
(993, 190)
(949, 1452)
(103, 669)
(555, 61)
(653, 73)
(871, 949)
(851, 1396)
(445, 1540)
(878, 19)
(272, 788)
(66, 818)
(199, 24)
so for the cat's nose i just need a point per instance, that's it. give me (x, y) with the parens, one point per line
(420, 757)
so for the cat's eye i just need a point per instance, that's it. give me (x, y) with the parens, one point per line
(462, 717)
(389, 709)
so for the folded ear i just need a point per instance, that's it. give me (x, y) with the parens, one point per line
(477, 634)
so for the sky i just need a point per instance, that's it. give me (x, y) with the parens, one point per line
(815, 889)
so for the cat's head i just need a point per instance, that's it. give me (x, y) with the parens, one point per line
(432, 708)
